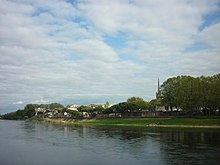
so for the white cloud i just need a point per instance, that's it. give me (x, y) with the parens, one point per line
(211, 36)
(54, 51)
(18, 102)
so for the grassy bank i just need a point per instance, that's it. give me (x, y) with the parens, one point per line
(153, 122)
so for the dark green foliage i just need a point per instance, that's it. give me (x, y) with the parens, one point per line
(136, 103)
(99, 109)
(133, 104)
(121, 107)
(11, 116)
(29, 111)
(152, 104)
(85, 109)
(56, 106)
(192, 94)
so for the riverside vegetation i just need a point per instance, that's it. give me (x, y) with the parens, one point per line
(189, 96)
(150, 122)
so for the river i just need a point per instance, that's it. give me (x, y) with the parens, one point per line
(38, 143)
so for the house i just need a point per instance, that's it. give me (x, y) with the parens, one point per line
(66, 114)
(39, 110)
(93, 106)
(85, 115)
(73, 107)
(50, 114)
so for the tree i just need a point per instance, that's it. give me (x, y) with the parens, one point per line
(99, 109)
(139, 102)
(107, 104)
(192, 94)
(56, 105)
(134, 99)
(29, 110)
(213, 94)
(169, 91)
(123, 107)
(152, 104)
(85, 109)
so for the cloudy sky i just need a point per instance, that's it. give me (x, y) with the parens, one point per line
(93, 51)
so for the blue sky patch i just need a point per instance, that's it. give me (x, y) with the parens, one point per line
(195, 47)
(116, 42)
(125, 57)
(39, 11)
(210, 19)
(74, 58)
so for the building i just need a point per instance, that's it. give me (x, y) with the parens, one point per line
(73, 107)
(159, 105)
(106, 105)
(39, 110)
(93, 106)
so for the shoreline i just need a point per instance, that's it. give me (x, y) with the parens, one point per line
(126, 123)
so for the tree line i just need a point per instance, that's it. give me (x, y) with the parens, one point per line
(192, 94)
(133, 104)
(186, 93)
(29, 111)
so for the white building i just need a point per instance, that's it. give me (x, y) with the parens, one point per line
(39, 110)
(73, 107)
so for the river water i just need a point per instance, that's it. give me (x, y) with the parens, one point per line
(38, 143)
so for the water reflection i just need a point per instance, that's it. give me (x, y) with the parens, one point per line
(191, 146)
(191, 138)
(45, 143)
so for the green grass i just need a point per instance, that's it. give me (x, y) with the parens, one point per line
(182, 122)
(162, 122)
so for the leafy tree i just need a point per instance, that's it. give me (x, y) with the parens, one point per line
(169, 90)
(21, 114)
(138, 102)
(99, 109)
(192, 94)
(152, 104)
(123, 107)
(85, 109)
(109, 110)
(118, 108)
(29, 110)
(107, 104)
(73, 113)
(11, 116)
(213, 94)
(56, 105)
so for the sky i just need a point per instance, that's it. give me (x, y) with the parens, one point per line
(93, 51)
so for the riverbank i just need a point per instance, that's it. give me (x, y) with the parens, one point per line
(147, 122)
